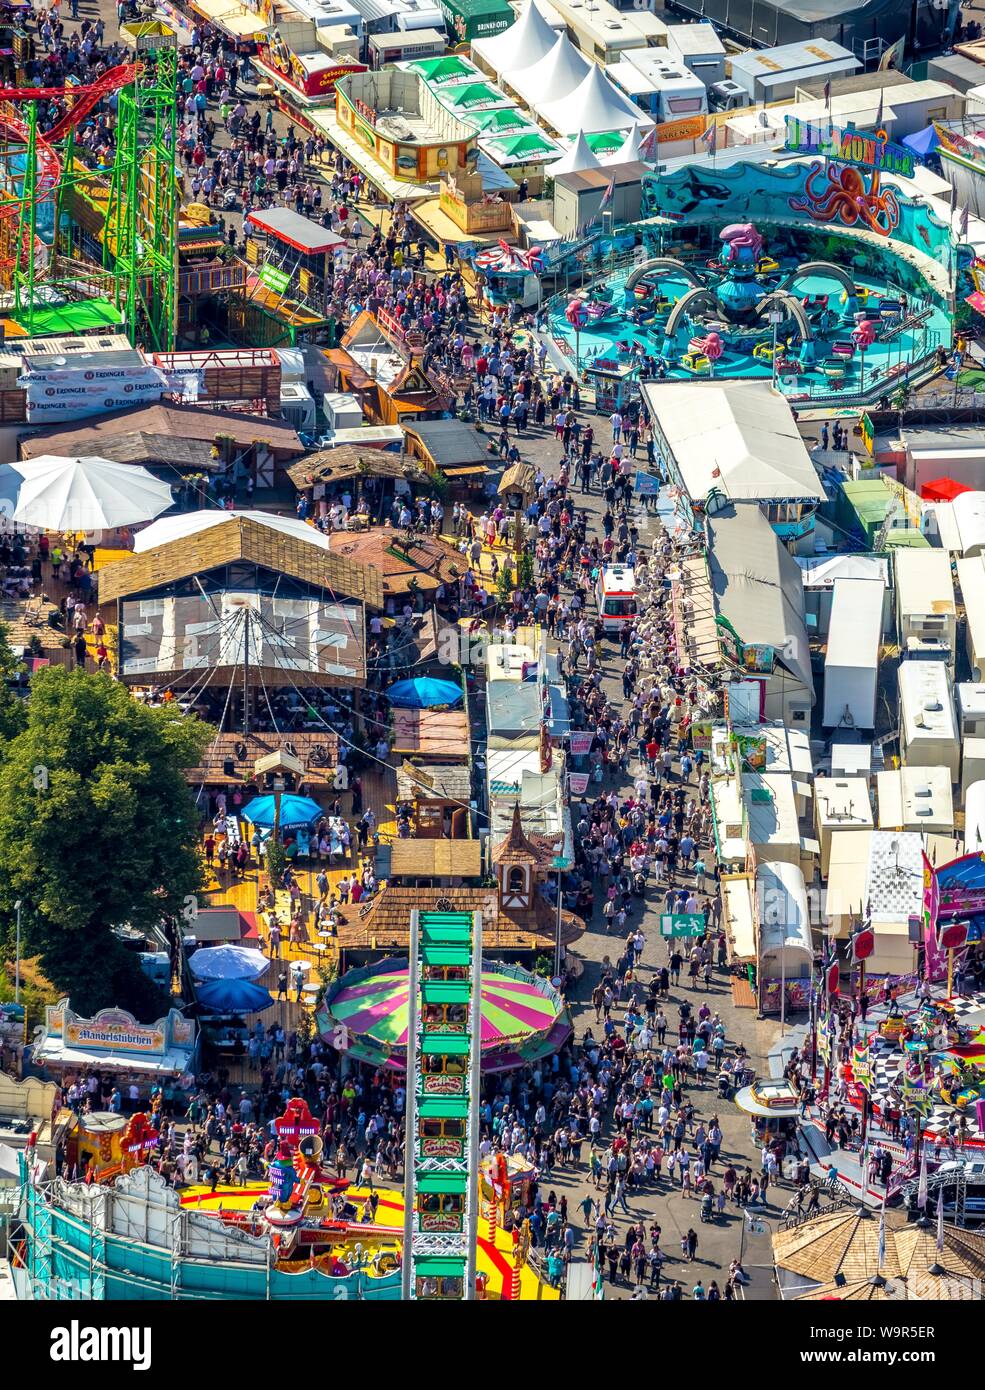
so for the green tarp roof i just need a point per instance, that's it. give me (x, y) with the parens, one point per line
(89, 315)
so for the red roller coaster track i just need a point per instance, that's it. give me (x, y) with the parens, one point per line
(49, 165)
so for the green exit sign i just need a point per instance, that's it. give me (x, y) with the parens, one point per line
(682, 924)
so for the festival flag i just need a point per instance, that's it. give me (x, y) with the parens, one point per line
(882, 1235)
(863, 944)
(963, 225)
(882, 93)
(954, 198)
(608, 194)
(922, 1185)
(940, 1218)
(860, 1065)
(710, 139)
(648, 145)
(827, 96)
(830, 969)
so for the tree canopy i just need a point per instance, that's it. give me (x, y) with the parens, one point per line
(98, 829)
(13, 710)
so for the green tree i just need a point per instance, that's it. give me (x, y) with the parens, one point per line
(525, 570)
(98, 829)
(505, 584)
(13, 710)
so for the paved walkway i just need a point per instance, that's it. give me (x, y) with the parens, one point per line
(718, 1242)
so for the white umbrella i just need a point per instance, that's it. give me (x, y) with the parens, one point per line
(228, 962)
(172, 528)
(86, 494)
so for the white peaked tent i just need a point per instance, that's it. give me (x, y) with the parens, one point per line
(552, 77)
(522, 44)
(174, 528)
(628, 151)
(594, 105)
(578, 156)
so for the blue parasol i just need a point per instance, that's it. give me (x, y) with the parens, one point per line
(294, 810)
(234, 997)
(228, 963)
(424, 692)
(922, 142)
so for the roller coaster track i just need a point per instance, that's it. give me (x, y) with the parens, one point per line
(49, 164)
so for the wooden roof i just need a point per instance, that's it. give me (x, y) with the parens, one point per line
(20, 627)
(181, 421)
(442, 733)
(450, 444)
(351, 461)
(522, 476)
(435, 859)
(520, 848)
(145, 448)
(384, 923)
(846, 1242)
(319, 752)
(400, 557)
(240, 538)
(433, 782)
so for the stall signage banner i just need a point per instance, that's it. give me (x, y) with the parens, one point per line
(578, 783)
(757, 656)
(849, 147)
(682, 924)
(646, 484)
(579, 744)
(687, 128)
(274, 279)
(112, 1032)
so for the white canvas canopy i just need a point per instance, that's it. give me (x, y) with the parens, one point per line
(82, 494)
(629, 151)
(593, 106)
(577, 156)
(552, 77)
(173, 528)
(522, 44)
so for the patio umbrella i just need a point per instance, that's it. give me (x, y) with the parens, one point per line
(424, 692)
(228, 963)
(86, 494)
(234, 997)
(294, 811)
(922, 142)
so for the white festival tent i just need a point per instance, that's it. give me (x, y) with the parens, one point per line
(595, 105)
(629, 151)
(82, 494)
(578, 156)
(173, 528)
(552, 77)
(522, 44)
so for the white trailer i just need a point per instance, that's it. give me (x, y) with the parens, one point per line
(851, 666)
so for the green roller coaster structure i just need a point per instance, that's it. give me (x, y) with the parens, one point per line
(50, 200)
